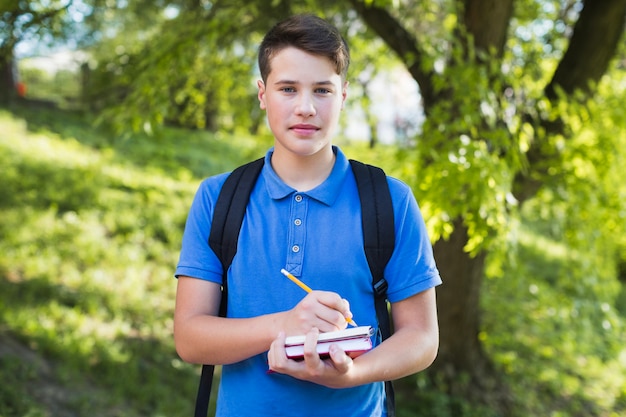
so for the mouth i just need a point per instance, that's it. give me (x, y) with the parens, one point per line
(304, 129)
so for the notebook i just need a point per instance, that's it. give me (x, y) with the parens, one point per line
(354, 341)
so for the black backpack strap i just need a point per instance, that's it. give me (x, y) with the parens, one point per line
(230, 209)
(228, 214)
(378, 231)
(379, 241)
(204, 391)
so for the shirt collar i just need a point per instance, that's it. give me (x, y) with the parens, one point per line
(326, 192)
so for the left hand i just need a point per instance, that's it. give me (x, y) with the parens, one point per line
(332, 372)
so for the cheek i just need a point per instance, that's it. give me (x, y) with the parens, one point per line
(274, 105)
(275, 114)
(331, 112)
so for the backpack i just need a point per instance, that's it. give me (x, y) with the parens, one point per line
(378, 241)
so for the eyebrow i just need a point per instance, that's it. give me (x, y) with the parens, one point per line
(292, 82)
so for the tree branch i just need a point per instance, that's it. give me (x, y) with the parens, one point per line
(402, 42)
(594, 42)
(595, 38)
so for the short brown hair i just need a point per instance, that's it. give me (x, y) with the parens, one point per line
(308, 33)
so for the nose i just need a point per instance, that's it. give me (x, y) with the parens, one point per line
(305, 106)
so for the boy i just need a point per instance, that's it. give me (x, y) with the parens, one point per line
(303, 216)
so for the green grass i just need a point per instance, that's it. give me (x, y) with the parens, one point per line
(90, 227)
(554, 327)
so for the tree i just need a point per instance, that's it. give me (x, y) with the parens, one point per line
(489, 140)
(25, 20)
(191, 65)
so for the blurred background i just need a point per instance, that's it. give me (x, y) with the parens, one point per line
(506, 119)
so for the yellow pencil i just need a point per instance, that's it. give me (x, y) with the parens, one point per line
(307, 289)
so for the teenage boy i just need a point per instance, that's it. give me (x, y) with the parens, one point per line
(303, 216)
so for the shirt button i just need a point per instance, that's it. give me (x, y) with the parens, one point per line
(298, 198)
(295, 248)
(297, 222)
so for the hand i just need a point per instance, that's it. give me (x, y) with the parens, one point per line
(330, 372)
(323, 310)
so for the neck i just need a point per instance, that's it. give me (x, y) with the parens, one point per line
(303, 173)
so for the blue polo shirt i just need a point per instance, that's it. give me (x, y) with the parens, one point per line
(317, 236)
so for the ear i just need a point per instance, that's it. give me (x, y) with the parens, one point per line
(261, 95)
(344, 93)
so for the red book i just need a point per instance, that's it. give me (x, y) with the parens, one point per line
(354, 341)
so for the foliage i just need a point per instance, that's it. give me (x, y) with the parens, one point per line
(564, 282)
(164, 77)
(545, 321)
(27, 20)
(192, 66)
(476, 160)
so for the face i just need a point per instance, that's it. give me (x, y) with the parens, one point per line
(303, 97)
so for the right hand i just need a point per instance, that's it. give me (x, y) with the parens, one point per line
(323, 310)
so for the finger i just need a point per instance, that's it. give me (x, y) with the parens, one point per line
(348, 313)
(331, 320)
(311, 357)
(312, 311)
(277, 356)
(336, 313)
(341, 361)
(335, 302)
(331, 300)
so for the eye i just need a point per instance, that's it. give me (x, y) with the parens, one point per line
(323, 91)
(288, 89)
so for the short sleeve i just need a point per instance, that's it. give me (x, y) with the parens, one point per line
(196, 258)
(412, 267)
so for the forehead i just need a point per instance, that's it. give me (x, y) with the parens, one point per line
(296, 64)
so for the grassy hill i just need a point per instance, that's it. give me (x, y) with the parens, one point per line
(90, 228)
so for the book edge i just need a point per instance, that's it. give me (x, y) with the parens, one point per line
(348, 333)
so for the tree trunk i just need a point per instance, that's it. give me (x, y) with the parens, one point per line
(488, 22)
(461, 352)
(459, 301)
(8, 91)
(592, 46)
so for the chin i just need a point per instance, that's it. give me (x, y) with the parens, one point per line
(303, 146)
(311, 148)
